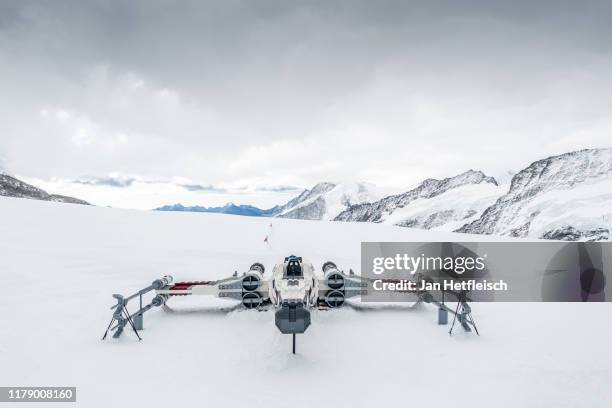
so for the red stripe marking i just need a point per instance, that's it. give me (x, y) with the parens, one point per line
(188, 285)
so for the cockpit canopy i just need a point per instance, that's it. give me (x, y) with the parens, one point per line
(293, 267)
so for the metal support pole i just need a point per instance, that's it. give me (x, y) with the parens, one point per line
(139, 317)
(293, 343)
(442, 315)
(142, 310)
(140, 293)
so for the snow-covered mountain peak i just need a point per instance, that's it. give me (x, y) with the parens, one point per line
(381, 210)
(561, 172)
(567, 196)
(326, 200)
(468, 177)
(322, 188)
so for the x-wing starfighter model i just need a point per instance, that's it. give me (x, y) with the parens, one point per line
(292, 289)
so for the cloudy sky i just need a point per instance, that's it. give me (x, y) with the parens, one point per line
(143, 103)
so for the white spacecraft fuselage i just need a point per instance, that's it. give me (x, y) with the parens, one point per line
(285, 286)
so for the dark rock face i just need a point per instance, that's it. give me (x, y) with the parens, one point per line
(569, 233)
(508, 216)
(66, 199)
(374, 212)
(12, 187)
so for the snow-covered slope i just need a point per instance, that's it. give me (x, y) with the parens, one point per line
(448, 210)
(439, 204)
(326, 200)
(13, 187)
(566, 197)
(60, 264)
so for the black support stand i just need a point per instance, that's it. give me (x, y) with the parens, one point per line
(122, 317)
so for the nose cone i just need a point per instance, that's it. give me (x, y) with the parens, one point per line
(292, 318)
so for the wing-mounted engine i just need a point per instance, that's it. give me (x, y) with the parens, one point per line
(251, 289)
(337, 286)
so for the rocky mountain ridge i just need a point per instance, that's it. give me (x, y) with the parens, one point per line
(13, 187)
(380, 210)
(566, 197)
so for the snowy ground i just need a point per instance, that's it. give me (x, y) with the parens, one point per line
(60, 263)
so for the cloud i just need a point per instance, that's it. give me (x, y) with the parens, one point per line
(111, 181)
(279, 188)
(202, 187)
(124, 181)
(278, 93)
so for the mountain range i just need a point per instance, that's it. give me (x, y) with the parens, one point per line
(230, 208)
(434, 204)
(567, 197)
(322, 202)
(564, 197)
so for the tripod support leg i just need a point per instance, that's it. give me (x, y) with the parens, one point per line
(129, 319)
(474, 324)
(109, 326)
(450, 332)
